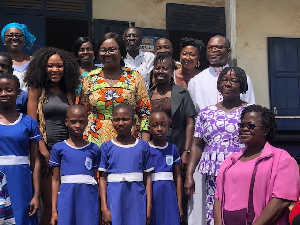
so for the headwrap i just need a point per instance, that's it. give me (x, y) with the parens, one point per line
(29, 38)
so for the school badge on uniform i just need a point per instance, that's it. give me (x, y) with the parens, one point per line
(88, 163)
(169, 160)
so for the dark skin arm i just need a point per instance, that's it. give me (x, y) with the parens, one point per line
(190, 126)
(273, 211)
(178, 182)
(32, 105)
(35, 165)
(195, 155)
(217, 212)
(148, 186)
(106, 214)
(55, 189)
(146, 136)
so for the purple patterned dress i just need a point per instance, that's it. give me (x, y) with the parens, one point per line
(219, 130)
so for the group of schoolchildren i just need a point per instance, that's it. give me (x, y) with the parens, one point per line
(140, 182)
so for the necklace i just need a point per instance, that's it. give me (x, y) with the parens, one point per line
(186, 78)
(111, 78)
(166, 92)
(21, 58)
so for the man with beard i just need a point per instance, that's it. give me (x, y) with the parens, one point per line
(135, 58)
(203, 91)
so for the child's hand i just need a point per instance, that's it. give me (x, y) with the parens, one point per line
(54, 218)
(148, 220)
(181, 214)
(46, 155)
(189, 186)
(184, 161)
(106, 216)
(34, 206)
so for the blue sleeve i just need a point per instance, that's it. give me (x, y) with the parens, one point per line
(34, 133)
(176, 155)
(103, 158)
(55, 157)
(21, 102)
(96, 160)
(147, 158)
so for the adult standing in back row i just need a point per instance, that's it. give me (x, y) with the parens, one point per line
(136, 59)
(203, 87)
(204, 92)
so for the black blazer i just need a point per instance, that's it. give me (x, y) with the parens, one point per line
(182, 107)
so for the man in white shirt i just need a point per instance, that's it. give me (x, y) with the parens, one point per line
(203, 87)
(135, 58)
(203, 91)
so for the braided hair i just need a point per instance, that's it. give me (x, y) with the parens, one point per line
(239, 73)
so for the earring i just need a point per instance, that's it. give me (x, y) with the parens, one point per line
(198, 64)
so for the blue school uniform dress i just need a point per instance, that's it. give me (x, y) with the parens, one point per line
(164, 205)
(126, 195)
(78, 201)
(14, 162)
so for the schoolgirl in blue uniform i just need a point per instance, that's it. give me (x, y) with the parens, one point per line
(125, 168)
(19, 136)
(75, 162)
(167, 194)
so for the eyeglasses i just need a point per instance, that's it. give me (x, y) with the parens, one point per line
(217, 47)
(10, 36)
(109, 50)
(230, 81)
(250, 126)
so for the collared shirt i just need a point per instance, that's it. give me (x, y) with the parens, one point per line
(204, 92)
(143, 63)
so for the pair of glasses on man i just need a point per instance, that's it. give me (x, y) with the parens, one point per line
(109, 50)
(10, 36)
(217, 47)
(250, 126)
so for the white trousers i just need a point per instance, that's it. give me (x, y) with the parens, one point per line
(196, 206)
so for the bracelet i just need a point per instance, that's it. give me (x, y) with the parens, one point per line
(188, 151)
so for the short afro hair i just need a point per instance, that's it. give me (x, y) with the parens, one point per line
(267, 118)
(12, 77)
(162, 57)
(129, 108)
(189, 41)
(9, 59)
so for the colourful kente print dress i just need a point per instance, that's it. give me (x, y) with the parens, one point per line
(99, 99)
